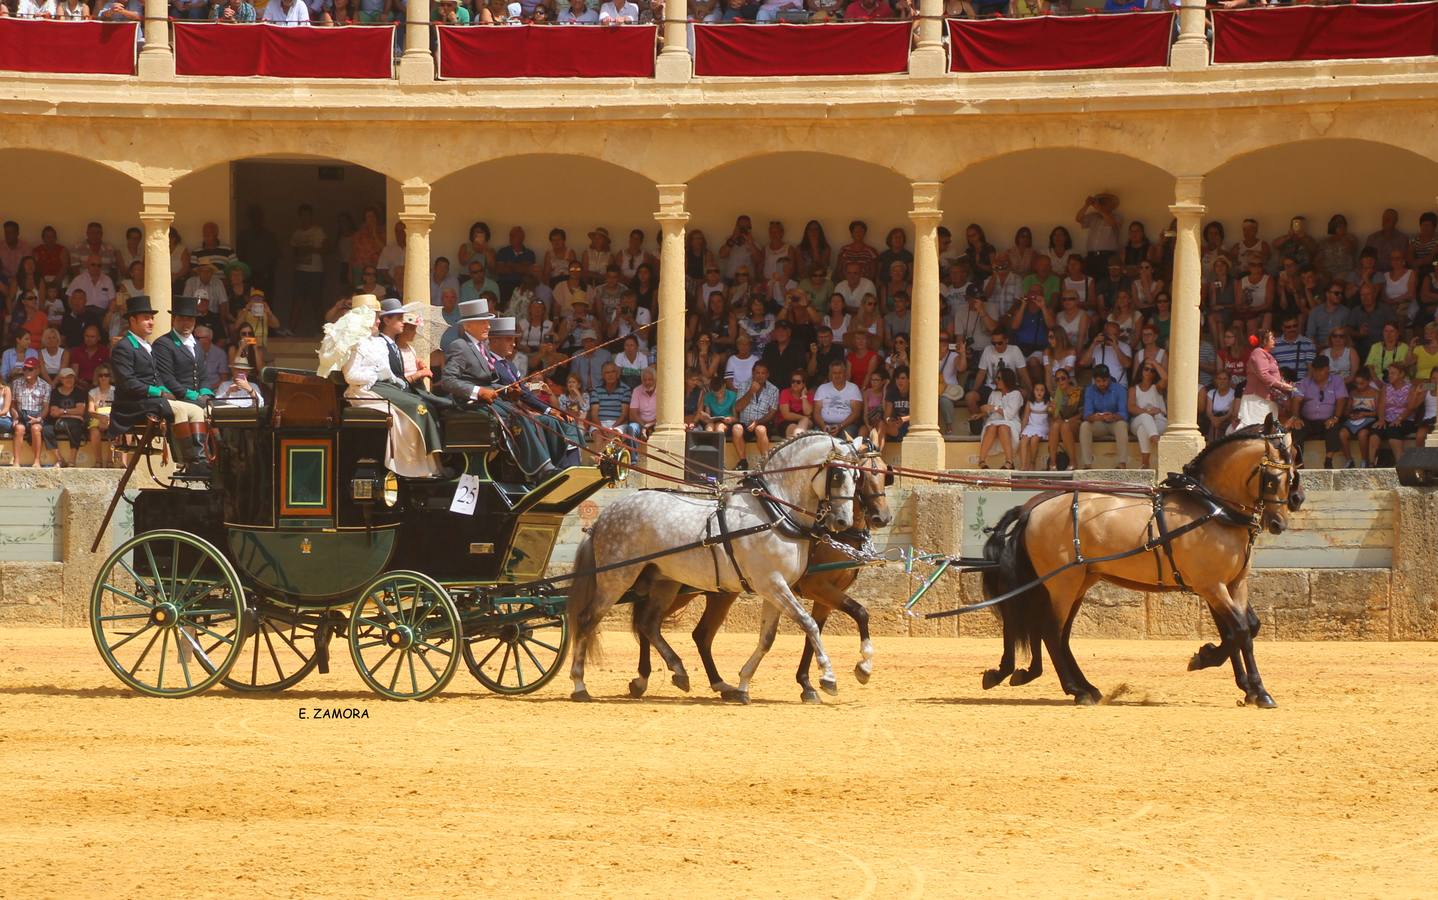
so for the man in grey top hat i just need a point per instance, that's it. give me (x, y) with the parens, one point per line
(475, 375)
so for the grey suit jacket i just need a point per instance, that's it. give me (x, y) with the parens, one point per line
(465, 369)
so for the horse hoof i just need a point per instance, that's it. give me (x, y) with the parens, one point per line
(734, 695)
(829, 687)
(637, 687)
(681, 682)
(1261, 699)
(1022, 677)
(580, 697)
(1193, 663)
(993, 678)
(811, 696)
(721, 687)
(862, 674)
(1087, 698)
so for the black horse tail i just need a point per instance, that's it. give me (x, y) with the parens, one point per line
(1023, 613)
(583, 620)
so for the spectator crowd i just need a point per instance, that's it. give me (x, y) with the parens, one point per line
(1046, 345)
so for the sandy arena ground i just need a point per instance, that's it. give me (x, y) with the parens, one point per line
(918, 784)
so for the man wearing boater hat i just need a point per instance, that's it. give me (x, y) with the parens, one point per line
(139, 392)
(472, 376)
(177, 355)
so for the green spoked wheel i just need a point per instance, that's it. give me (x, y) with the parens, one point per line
(166, 614)
(520, 648)
(282, 647)
(405, 636)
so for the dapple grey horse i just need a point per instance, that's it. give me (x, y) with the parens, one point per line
(814, 477)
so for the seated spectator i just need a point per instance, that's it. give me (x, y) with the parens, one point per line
(864, 10)
(609, 405)
(31, 403)
(574, 401)
(1037, 426)
(716, 409)
(995, 358)
(239, 390)
(1317, 408)
(1105, 413)
(739, 368)
(862, 360)
(1388, 351)
(769, 10)
(449, 12)
(796, 407)
(65, 418)
(120, 10)
(618, 12)
(757, 323)
(1364, 399)
(247, 348)
(53, 357)
(1218, 410)
(896, 407)
(289, 13)
(875, 385)
(953, 377)
(1292, 349)
(1110, 351)
(1367, 320)
(1031, 321)
(235, 12)
(644, 403)
(1001, 418)
(99, 400)
(839, 402)
(1397, 412)
(785, 355)
(578, 13)
(1428, 407)
(1066, 419)
(868, 320)
(1425, 352)
(1148, 410)
(756, 409)
(13, 359)
(7, 414)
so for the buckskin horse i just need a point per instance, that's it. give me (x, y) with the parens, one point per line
(1194, 532)
(825, 587)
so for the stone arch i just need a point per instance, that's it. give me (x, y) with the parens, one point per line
(1043, 188)
(50, 187)
(796, 186)
(540, 191)
(1317, 178)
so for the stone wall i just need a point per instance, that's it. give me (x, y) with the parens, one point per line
(1316, 603)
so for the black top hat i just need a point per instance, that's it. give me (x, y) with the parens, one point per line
(185, 306)
(138, 304)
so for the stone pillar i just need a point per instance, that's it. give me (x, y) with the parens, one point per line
(157, 58)
(924, 445)
(155, 221)
(1190, 51)
(674, 63)
(416, 65)
(418, 221)
(928, 59)
(1182, 440)
(669, 343)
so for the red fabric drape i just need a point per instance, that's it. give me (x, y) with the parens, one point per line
(546, 51)
(855, 48)
(284, 52)
(1046, 43)
(86, 48)
(1325, 32)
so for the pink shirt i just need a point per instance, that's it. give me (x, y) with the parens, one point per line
(644, 405)
(1263, 374)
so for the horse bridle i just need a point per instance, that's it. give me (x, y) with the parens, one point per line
(1270, 471)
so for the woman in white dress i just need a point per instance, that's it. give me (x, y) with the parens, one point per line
(353, 345)
(1036, 427)
(1005, 405)
(1148, 411)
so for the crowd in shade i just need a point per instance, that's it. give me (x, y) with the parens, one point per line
(584, 12)
(1051, 339)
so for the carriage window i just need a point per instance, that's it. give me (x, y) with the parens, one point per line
(306, 478)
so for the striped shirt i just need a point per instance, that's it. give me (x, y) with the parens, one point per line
(610, 403)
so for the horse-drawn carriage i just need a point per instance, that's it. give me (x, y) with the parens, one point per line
(301, 535)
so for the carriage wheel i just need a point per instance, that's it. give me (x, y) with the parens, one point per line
(283, 647)
(405, 636)
(521, 656)
(166, 612)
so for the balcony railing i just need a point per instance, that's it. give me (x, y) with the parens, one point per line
(925, 45)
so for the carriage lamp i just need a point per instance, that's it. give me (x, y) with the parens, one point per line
(391, 490)
(365, 484)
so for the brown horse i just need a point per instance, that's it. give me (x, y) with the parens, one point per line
(1196, 532)
(826, 589)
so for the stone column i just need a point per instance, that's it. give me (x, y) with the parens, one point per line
(416, 65)
(924, 445)
(928, 59)
(157, 58)
(1190, 51)
(669, 342)
(1182, 440)
(418, 221)
(674, 63)
(155, 221)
